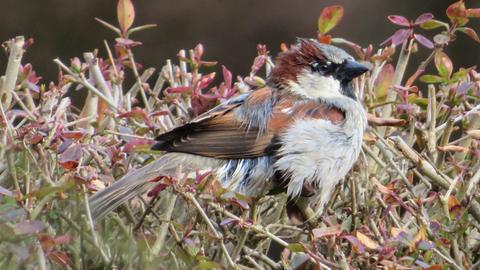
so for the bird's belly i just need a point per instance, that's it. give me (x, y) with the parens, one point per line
(318, 152)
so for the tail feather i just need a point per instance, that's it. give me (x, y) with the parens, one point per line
(137, 181)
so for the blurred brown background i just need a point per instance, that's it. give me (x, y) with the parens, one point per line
(229, 30)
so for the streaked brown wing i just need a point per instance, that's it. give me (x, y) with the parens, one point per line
(218, 134)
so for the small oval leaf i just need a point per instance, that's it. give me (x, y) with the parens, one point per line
(425, 17)
(125, 14)
(424, 41)
(329, 18)
(444, 64)
(383, 81)
(431, 79)
(399, 20)
(432, 24)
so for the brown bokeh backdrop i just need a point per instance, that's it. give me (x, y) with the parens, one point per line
(229, 30)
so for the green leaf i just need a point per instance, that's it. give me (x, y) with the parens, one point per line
(461, 73)
(431, 79)
(207, 265)
(329, 18)
(433, 24)
(296, 247)
(444, 64)
(422, 102)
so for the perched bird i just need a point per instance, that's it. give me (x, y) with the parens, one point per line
(302, 132)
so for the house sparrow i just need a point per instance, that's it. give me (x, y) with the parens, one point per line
(302, 132)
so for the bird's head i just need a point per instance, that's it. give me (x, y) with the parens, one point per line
(315, 70)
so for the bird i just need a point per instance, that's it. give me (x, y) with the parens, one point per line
(302, 132)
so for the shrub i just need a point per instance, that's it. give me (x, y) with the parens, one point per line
(411, 201)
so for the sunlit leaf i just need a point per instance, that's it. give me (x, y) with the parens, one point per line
(367, 241)
(125, 14)
(443, 64)
(329, 18)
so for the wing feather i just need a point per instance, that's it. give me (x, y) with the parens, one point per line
(234, 131)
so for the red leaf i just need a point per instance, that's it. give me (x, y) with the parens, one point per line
(157, 189)
(70, 158)
(470, 32)
(206, 80)
(180, 89)
(158, 113)
(59, 257)
(125, 14)
(227, 76)
(424, 41)
(329, 18)
(326, 39)
(473, 12)
(137, 145)
(399, 20)
(136, 113)
(425, 17)
(62, 239)
(75, 135)
(457, 13)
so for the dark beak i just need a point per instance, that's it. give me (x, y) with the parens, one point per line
(351, 69)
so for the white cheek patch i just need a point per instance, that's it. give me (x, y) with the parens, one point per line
(313, 85)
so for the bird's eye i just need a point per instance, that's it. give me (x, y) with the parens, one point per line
(323, 67)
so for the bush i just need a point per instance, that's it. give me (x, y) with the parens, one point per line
(411, 201)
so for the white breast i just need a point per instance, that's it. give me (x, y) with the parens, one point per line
(320, 152)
